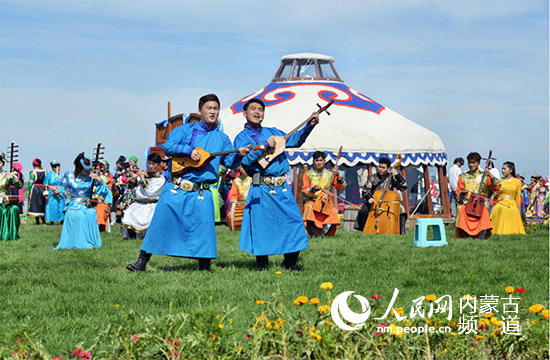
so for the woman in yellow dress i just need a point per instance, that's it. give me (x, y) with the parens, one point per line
(507, 220)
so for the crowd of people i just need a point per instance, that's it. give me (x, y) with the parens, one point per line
(175, 215)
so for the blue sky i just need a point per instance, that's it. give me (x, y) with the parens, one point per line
(75, 73)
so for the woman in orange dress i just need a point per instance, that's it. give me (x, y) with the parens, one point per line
(506, 220)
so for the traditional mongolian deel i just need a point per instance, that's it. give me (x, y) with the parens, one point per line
(139, 214)
(507, 220)
(80, 229)
(9, 214)
(323, 178)
(272, 223)
(468, 224)
(37, 201)
(56, 202)
(183, 223)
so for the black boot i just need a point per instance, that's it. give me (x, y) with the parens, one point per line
(326, 229)
(141, 262)
(290, 261)
(482, 235)
(204, 264)
(312, 229)
(262, 262)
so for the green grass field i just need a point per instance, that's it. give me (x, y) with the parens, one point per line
(67, 296)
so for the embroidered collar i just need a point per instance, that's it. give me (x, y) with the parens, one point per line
(206, 127)
(253, 128)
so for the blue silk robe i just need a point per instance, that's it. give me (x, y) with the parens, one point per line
(55, 203)
(272, 223)
(183, 224)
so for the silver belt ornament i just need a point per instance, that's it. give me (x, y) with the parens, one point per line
(189, 186)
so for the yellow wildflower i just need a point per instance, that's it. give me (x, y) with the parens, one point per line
(230, 320)
(496, 332)
(268, 324)
(239, 348)
(453, 333)
(254, 326)
(488, 315)
(314, 301)
(117, 306)
(259, 318)
(393, 331)
(431, 297)
(315, 336)
(214, 338)
(300, 300)
(326, 286)
(278, 273)
(509, 289)
(328, 322)
(260, 302)
(217, 316)
(535, 308)
(221, 325)
(170, 304)
(496, 322)
(544, 314)
(534, 321)
(323, 309)
(398, 310)
(484, 321)
(480, 337)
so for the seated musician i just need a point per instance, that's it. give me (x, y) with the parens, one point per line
(468, 182)
(9, 210)
(237, 199)
(315, 179)
(148, 186)
(378, 181)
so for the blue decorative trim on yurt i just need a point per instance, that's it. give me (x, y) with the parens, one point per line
(352, 159)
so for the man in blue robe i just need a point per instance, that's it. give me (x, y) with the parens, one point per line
(272, 223)
(183, 223)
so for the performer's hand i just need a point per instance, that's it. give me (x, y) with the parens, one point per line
(243, 151)
(9, 175)
(94, 176)
(335, 171)
(393, 171)
(141, 174)
(56, 192)
(271, 141)
(314, 119)
(464, 192)
(315, 188)
(488, 173)
(46, 197)
(371, 201)
(195, 155)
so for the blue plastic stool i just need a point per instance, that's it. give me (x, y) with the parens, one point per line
(421, 232)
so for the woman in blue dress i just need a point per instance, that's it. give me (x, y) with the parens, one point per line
(55, 203)
(80, 229)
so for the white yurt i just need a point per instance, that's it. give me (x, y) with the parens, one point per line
(365, 128)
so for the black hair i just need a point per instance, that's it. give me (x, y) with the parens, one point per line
(121, 159)
(512, 167)
(78, 168)
(254, 100)
(458, 160)
(209, 97)
(385, 161)
(474, 156)
(154, 157)
(319, 154)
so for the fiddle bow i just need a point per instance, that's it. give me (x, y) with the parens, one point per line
(323, 203)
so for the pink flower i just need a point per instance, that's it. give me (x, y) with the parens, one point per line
(382, 325)
(76, 352)
(376, 297)
(135, 337)
(378, 333)
(57, 358)
(483, 328)
(247, 337)
(520, 290)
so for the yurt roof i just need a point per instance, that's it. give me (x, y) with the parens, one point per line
(307, 56)
(366, 129)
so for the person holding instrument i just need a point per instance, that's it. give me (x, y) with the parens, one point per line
(272, 223)
(470, 182)
(379, 181)
(9, 211)
(316, 179)
(183, 223)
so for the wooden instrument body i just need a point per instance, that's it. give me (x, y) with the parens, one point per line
(323, 203)
(235, 216)
(475, 205)
(183, 164)
(384, 216)
(272, 152)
